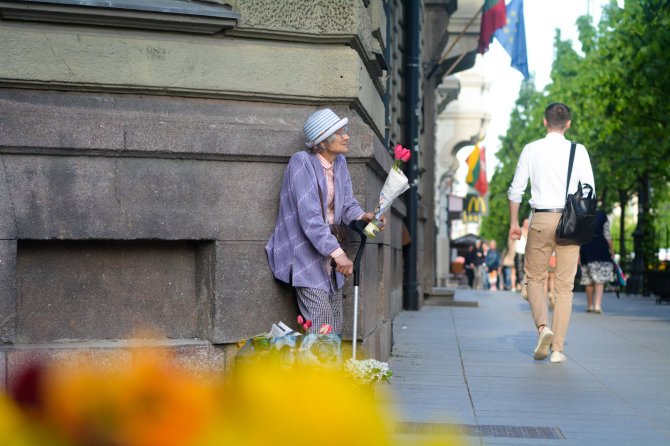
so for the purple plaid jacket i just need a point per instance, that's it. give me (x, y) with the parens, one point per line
(301, 244)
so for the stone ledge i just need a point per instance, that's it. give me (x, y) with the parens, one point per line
(167, 15)
(448, 302)
(441, 291)
(109, 344)
(202, 359)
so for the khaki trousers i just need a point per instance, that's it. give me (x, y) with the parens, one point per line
(541, 243)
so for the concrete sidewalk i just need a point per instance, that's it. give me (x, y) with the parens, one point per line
(472, 368)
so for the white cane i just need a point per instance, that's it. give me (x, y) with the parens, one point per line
(355, 334)
(358, 226)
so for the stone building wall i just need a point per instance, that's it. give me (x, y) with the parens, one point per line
(141, 168)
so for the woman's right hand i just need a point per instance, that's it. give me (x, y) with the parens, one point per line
(344, 265)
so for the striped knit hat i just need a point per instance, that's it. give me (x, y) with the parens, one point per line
(320, 125)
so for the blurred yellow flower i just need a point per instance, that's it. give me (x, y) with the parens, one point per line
(269, 404)
(150, 403)
(19, 429)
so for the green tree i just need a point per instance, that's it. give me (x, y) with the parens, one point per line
(617, 91)
(623, 84)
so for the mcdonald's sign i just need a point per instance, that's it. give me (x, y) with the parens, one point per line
(474, 207)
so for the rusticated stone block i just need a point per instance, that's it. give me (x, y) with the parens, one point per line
(248, 300)
(105, 198)
(7, 291)
(105, 290)
(385, 340)
(384, 281)
(378, 343)
(160, 127)
(7, 221)
(369, 305)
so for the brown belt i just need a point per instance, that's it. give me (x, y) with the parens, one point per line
(552, 211)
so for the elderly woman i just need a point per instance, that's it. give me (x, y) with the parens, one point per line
(316, 195)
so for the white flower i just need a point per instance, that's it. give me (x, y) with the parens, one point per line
(368, 370)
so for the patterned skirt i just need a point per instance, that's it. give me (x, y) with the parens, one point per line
(597, 272)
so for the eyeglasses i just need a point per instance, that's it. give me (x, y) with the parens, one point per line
(342, 131)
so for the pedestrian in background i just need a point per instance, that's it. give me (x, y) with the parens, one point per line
(509, 273)
(469, 265)
(316, 197)
(485, 268)
(519, 254)
(492, 261)
(596, 262)
(478, 261)
(545, 163)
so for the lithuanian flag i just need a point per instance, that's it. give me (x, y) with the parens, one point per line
(494, 16)
(477, 169)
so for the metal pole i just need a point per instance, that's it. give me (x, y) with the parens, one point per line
(413, 13)
(636, 284)
(453, 65)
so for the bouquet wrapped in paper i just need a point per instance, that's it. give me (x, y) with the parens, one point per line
(396, 183)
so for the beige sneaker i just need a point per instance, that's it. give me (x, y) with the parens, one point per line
(557, 357)
(543, 343)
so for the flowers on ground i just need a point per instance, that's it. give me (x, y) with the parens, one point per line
(303, 324)
(368, 371)
(325, 329)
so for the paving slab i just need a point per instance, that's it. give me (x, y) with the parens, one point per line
(472, 367)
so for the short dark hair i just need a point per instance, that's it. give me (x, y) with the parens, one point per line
(557, 115)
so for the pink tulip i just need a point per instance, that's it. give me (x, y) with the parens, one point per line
(398, 150)
(300, 320)
(325, 329)
(308, 323)
(405, 156)
(305, 327)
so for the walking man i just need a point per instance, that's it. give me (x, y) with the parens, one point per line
(545, 163)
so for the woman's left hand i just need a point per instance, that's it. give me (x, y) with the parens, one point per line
(369, 216)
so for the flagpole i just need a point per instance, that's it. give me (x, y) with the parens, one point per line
(472, 47)
(451, 47)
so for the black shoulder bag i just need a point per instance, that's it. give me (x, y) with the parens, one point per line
(579, 212)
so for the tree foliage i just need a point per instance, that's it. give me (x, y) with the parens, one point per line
(617, 90)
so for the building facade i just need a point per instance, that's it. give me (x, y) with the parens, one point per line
(143, 148)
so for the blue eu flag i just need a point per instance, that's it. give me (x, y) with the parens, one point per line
(512, 37)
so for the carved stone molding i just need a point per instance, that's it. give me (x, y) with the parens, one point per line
(168, 15)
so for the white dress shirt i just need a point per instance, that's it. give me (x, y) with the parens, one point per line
(545, 162)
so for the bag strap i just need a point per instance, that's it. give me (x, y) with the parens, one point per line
(323, 212)
(573, 147)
